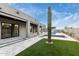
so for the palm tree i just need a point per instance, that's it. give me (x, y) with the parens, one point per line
(49, 24)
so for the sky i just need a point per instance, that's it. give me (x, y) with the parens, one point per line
(63, 14)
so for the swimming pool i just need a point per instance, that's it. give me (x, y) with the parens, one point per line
(59, 36)
(54, 34)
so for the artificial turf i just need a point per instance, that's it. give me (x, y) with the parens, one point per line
(58, 48)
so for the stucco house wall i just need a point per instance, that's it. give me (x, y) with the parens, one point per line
(20, 18)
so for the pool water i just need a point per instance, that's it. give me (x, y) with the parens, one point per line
(55, 35)
(59, 36)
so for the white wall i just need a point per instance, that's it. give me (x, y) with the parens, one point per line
(38, 29)
(22, 30)
(28, 29)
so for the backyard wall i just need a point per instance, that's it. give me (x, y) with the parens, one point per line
(73, 32)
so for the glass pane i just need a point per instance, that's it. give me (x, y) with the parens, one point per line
(6, 30)
(15, 30)
(9, 30)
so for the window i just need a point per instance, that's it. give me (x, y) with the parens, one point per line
(6, 30)
(17, 12)
(33, 28)
(9, 30)
(15, 31)
(40, 29)
(30, 28)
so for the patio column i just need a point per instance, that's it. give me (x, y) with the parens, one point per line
(0, 29)
(28, 29)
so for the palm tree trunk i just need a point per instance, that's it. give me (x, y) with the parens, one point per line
(49, 23)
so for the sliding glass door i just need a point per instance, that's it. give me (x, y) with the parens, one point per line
(15, 30)
(9, 30)
(33, 28)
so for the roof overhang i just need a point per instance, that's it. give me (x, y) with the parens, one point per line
(12, 16)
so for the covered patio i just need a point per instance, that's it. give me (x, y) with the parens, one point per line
(33, 29)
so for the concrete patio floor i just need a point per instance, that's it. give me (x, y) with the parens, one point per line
(14, 49)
